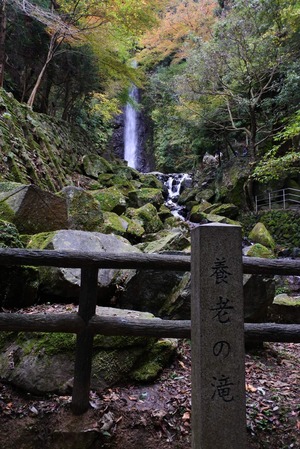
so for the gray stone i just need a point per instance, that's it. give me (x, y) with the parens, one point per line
(218, 372)
(285, 309)
(63, 283)
(33, 210)
(44, 363)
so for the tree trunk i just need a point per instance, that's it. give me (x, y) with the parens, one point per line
(2, 39)
(53, 46)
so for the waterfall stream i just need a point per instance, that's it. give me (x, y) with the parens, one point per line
(174, 183)
(131, 147)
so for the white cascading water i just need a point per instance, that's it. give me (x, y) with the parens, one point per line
(130, 131)
(175, 183)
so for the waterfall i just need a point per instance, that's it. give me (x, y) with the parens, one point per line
(131, 147)
(175, 183)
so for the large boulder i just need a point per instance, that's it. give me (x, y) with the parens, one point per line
(62, 284)
(167, 240)
(43, 363)
(147, 217)
(260, 234)
(94, 165)
(111, 200)
(84, 211)
(258, 250)
(148, 290)
(227, 210)
(33, 210)
(122, 225)
(140, 197)
(285, 309)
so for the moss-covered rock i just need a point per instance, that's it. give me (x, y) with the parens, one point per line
(285, 309)
(150, 180)
(164, 213)
(112, 180)
(153, 361)
(9, 235)
(169, 241)
(44, 363)
(114, 224)
(36, 148)
(284, 226)
(94, 165)
(213, 218)
(187, 196)
(197, 215)
(258, 250)
(140, 197)
(227, 210)
(206, 195)
(147, 217)
(134, 231)
(111, 200)
(260, 234)
(84, 211)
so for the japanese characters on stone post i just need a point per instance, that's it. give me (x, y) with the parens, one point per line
(218, 365)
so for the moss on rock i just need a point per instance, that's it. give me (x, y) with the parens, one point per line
(114, 224)
(258, 250)
(260, 234)
(147, 217)
(140, 197)
(154, 360)
(40, 241)
(111, 200)
(84, 211)
(9, 235)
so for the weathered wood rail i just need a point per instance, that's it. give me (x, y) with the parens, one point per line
(86, 324)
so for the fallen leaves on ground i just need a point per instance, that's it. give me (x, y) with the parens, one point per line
(162, 410)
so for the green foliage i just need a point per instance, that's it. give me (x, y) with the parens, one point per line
(233, 88)
(279, 162)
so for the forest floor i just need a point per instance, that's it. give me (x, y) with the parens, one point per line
(158, 415)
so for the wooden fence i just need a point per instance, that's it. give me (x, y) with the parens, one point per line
(86, 324)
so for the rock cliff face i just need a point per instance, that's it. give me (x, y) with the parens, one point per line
(38, 149)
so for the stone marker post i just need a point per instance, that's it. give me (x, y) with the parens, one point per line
(218, 355)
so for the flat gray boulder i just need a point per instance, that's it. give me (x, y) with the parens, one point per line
(62, 284)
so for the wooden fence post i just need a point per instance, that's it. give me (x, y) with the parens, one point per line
(84, 346)
(218, 355)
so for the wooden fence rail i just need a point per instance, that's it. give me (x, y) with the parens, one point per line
(85, 323)
(74, 259)
(73, 323)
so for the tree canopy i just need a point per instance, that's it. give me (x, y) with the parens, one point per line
(217, 75)
(237, 80)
